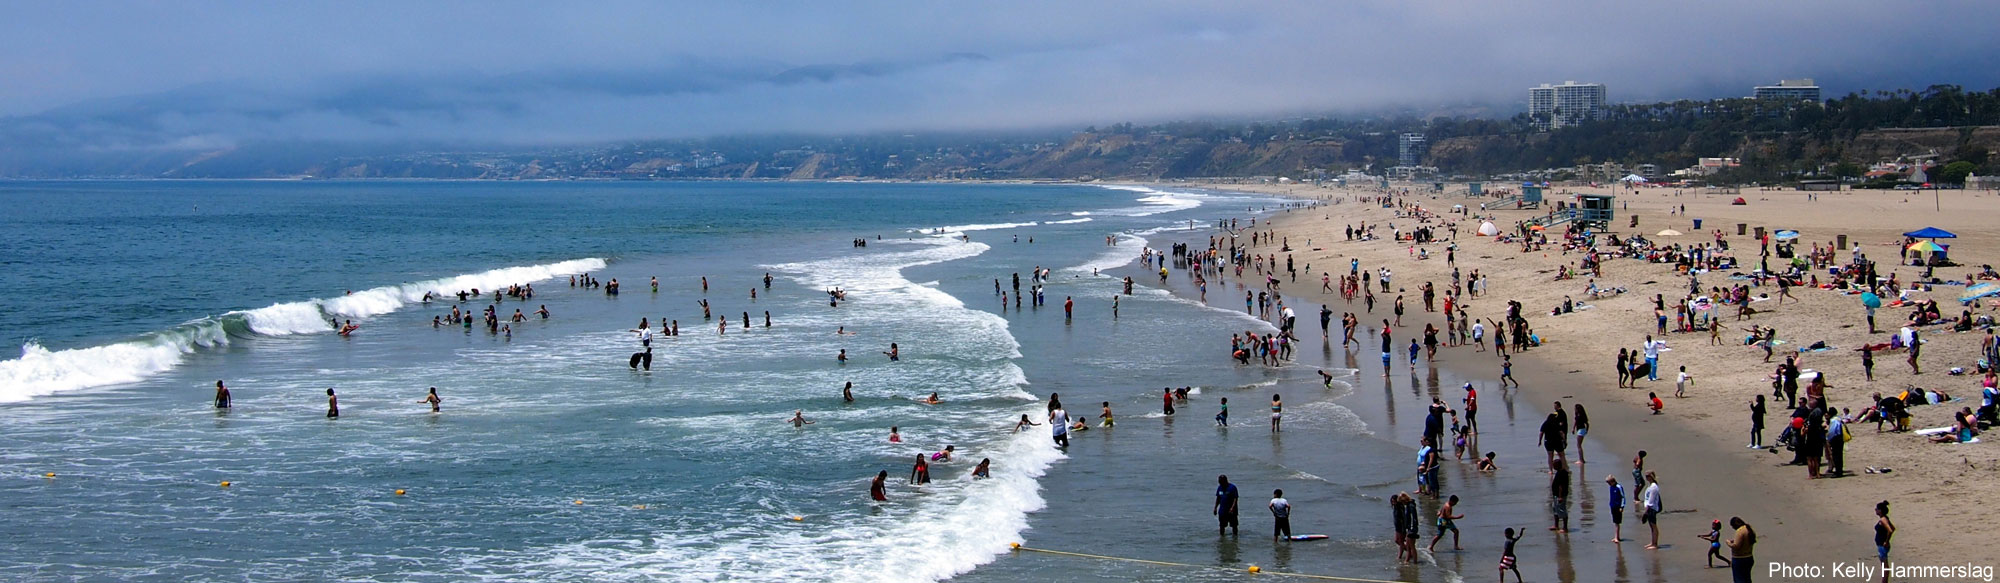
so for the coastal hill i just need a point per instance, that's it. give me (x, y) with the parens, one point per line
(1774, 141)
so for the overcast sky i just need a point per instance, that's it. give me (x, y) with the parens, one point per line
(199, 75)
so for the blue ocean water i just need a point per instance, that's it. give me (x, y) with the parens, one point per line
(554, 461)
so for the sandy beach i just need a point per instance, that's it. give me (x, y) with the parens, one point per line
(1698, 443)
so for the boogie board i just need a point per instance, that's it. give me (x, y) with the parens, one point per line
(1306, 537)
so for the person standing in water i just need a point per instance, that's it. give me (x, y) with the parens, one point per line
(433, 399)
(1281, 514)
(879, 489)
(847, 392)
(1225, 505)
(221, 396)
(332, 405)
(894, 353)
(1167, 395)
(1277, 414)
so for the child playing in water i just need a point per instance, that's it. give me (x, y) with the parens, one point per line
(1222, 418)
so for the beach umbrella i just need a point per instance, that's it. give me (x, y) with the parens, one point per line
(1925, 247)
(1536, 227)
(1931, 233)
(1487, 229)
(1871, 300)
(1669, 233)
(1785, 235)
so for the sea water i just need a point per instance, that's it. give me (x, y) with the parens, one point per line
(554, 461)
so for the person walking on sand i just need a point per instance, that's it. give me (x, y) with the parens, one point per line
(1446, 518)
(1507, 372)
(1582, 424)
(1225, 505)
(1650, 508)
(1757, 423)
(1741, 546)
(1916, 345)
(1884, 530)
(1616, 504)
(1624, 367)
(1652, 351)
(1507, 555)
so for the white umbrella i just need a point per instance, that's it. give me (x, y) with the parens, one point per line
(1670, 233)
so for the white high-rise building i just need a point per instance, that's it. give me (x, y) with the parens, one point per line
(1788, 90)
(1568, 104)
(1409, 149)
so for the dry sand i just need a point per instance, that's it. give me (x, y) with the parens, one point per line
(1699, 445)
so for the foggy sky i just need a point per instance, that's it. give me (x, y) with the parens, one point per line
(116, 75)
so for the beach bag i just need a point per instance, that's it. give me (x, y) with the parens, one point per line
(1845, 434)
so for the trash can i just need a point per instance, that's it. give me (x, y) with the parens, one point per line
(1697, 224)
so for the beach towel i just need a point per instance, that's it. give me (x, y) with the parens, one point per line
(1932, 431)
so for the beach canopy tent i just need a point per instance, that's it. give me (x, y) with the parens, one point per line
(1931, 233)
(1487, 229)
(1785, 235)
(1633, 178)
(1669, 233)
(1738, 202)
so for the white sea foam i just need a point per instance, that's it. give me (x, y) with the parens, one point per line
(40, 371)
(1069, 221)
(1156, 201)
(1125, 253)
(980, 227)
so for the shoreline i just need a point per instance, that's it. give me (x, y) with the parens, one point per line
(1695, 473)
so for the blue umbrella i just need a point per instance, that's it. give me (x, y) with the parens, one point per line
(1785, 235)
(1871, 300)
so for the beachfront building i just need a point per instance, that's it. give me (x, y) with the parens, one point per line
(1568, 104)
(1410, 149)
(1788, 90)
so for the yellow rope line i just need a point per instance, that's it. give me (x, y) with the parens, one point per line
(1253, 568)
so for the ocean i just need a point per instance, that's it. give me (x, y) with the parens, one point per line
(552, 460)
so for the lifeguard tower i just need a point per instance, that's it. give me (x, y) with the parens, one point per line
(1595, 210)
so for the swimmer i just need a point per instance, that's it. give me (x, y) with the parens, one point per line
(944, 456)
(437, 322)
(433, 399)
(920, 473)
(879, 491)
(847, 392)
(894, 353)
(933, 399)
(985, 468)
(842, 332)
(894, 436)
(1106, 415)
(843, 356)
(221, 396)
(1024, 423)
(1486, 463)
(332, 405)
(543, 311)
(799, 418)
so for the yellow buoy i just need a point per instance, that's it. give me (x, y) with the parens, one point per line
(225, 483)
(798, 518)
(579, 502)
(1254, 569)
(638, 507)
(399, 492)
(49, 475)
